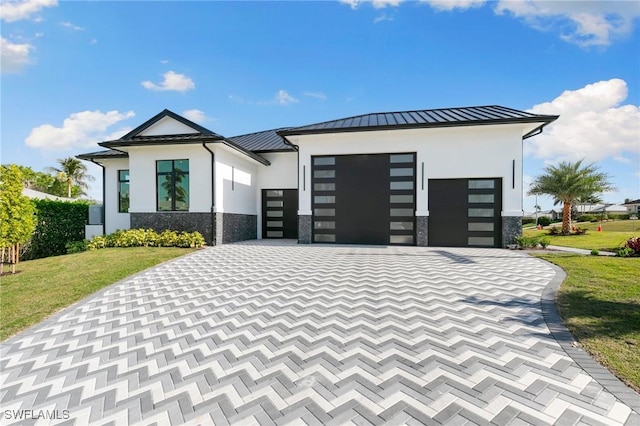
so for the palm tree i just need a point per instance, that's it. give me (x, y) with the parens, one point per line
(73, 173)
(569, 183)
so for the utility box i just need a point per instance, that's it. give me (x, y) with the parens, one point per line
(96, 214)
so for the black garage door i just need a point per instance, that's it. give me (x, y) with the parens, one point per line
(364, 199)
(280, 213)
(465, 212)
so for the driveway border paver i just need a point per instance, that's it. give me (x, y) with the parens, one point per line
(565, 339)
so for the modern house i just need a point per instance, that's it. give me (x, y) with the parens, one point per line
(439, 177)
(633, 206)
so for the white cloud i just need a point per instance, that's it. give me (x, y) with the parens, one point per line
(454, 4)
(378, 4)
(621, 159)
(593, 124)
(195, 115)
(284, 98)
(591, 23)
(11, 11)
(172, 81)
(237, 99)
(14, 56)
(71, 26)
(317, 95)
(80, 129)
(382, 18)
(164, 61)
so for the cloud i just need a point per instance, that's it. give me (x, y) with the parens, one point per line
(382, 18)
(378, 4)
(593, 124)
(593, 23)
(11, 11)
(172, 81)
(448, 5)
(317, 95)
(195, 115)
(164, 61)
(284, 98)
(71, 26)
(80, 129)
(14, 56)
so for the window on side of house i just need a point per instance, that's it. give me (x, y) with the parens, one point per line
(172, 185)
(123, 191)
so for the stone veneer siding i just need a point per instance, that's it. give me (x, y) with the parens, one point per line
(511, 228)
(422, 231)
(304, 229)
(177, 221)
(236, 227)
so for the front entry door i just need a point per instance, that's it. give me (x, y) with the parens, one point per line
(280, 213)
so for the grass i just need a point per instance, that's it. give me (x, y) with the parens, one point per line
(43, 286)
(613, 235)
(600, 304)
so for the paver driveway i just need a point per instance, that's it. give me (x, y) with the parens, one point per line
(280, 333)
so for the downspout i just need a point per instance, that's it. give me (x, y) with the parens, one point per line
(104, 198)
(213, 192)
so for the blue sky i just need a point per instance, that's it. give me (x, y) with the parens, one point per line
(75, 73)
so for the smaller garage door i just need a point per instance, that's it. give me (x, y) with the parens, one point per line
(465, 212)
(280, 213)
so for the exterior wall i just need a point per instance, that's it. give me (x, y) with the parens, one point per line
(447, 153)
(236, 182)
(113, 220)
(230, 227)
(142, 162)
(168, 126)
(281, 174)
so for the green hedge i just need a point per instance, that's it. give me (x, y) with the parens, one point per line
(58, 223)
(146, 238)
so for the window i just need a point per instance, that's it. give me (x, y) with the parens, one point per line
(123, 191)
(172, 179)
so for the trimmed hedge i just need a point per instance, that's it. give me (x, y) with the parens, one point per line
(58, 223)
(147, 238)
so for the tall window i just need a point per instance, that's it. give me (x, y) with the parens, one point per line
(123, 191)
(172, 179)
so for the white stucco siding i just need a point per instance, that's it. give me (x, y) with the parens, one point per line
(113, 220)
(167, 126)
(236, 182)
(447, 153)
(142, 161)
(281, 174)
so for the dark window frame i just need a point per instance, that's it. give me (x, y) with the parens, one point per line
(120, 182)
(172, 173)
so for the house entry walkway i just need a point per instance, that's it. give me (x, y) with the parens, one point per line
(271, 332)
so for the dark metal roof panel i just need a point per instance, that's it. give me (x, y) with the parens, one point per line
(265, 141)
(110, 153)
(465, 116)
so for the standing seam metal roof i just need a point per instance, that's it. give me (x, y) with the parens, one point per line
(266, 141)
(465, 116)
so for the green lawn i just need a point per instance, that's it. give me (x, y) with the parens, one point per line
(600, 304)
(614, 234)
(43, 286)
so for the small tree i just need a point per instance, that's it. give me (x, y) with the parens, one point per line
(568, 183)
(16, 216)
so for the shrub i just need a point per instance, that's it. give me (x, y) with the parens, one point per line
(580, 231)
(618, 216)
(633, 244)
(595, 252)
(544, 221)
(147, 238)
(624, 251)
(77, 246)
(544, 242)
(587, 218)
(554, 231)
(57, 224)
(528, 220)
(527, 242)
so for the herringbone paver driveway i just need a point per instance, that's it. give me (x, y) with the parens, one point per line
(263, 333)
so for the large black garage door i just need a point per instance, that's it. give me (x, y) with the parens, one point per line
(364, 199)
(280, 213)
(465, 212)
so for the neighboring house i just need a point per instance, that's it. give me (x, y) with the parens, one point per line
(609, 208)
(551, 214)
(440, 177)
(633, 206)
(33, 194)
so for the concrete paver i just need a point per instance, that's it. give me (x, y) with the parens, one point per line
(268, 332)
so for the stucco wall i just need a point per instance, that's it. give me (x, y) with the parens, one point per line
(167, 126)
(142, 161)
(113, 219)
(236, 182)
(454, 152)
